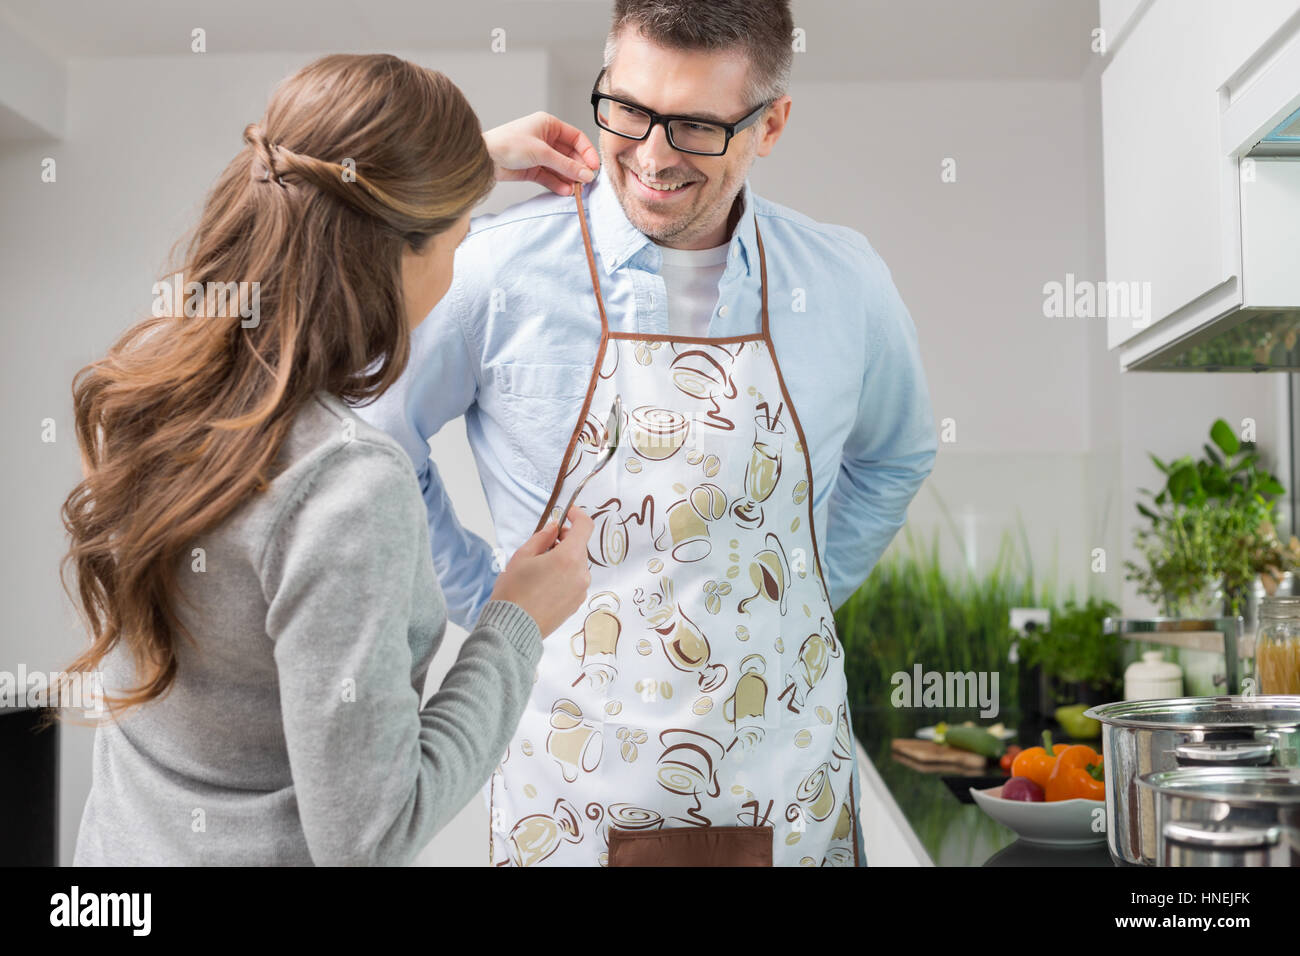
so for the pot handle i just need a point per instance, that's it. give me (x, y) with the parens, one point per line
(1221, 753)
(1245, 838)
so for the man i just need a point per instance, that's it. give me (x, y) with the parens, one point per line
(759, 379)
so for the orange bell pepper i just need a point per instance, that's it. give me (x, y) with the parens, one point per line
(1077, 774)
(1036, 763)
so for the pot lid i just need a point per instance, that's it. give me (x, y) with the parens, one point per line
(1253, 786)
(1202, 713)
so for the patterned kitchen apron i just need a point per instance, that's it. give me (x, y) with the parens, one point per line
(698, 697)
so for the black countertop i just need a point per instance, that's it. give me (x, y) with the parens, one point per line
(951, 832)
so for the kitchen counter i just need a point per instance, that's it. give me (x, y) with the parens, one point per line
(943, 830)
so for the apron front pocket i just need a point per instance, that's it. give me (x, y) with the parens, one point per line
(692, 846)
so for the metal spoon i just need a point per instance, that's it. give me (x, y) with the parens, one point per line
(608, 443)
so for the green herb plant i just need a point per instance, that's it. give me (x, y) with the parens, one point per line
(1075, 649)
(1213, 521)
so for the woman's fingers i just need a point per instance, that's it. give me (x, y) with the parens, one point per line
(540, 542)
(572, 141)
(577, 534)
(544, 149)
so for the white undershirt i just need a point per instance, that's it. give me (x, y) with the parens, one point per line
(691, 281)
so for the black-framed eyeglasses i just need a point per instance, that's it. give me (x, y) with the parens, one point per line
(687, 134)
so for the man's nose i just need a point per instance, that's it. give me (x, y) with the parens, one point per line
(655, 152)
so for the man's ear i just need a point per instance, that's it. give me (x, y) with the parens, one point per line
(772, 125)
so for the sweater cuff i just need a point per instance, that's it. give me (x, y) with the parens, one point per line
(516, 625)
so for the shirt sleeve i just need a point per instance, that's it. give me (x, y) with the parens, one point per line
(374, 775)
(891, 447)
(439, 385)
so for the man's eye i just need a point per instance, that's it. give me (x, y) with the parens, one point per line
(628, 111)
(700, 127)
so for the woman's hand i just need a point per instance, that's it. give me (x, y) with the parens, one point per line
(549, 584)
(543, 149)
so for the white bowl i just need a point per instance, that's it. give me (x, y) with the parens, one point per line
(1061, 822)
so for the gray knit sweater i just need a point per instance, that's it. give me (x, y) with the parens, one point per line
(294, 733)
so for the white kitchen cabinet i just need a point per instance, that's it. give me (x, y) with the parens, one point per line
(1114, 16)
(1162, 162)
(1242, 28)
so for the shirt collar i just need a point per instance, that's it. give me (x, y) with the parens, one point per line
(617, 240)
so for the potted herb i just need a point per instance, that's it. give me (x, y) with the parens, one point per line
(1211, 535)
(1079, 661)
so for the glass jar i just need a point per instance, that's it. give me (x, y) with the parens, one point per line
(1277, 646)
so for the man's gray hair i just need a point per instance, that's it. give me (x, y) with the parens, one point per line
(761, 30)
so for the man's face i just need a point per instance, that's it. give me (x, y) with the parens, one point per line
(699, 84)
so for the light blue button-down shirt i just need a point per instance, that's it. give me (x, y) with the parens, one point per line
(511, 347)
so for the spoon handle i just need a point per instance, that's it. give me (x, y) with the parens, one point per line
(574, 497)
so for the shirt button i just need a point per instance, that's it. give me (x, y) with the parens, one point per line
(722, 311)
(652, 300)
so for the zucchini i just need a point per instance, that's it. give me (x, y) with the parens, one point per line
(975, 740)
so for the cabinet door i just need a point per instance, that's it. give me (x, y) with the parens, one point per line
(1161, 161)
(1241, 29)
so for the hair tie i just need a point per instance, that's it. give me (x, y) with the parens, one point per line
(262, 169)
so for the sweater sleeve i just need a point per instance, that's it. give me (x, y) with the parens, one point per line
(375, 776)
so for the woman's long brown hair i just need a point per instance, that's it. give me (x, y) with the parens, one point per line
(357, 158)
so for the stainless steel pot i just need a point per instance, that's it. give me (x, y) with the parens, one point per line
(1226, 816)
(1148, 736)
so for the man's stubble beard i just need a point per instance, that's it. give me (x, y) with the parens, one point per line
(689, 225)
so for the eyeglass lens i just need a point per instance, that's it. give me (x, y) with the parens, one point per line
(683, 134)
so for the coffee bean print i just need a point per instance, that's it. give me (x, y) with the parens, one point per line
(800, 492)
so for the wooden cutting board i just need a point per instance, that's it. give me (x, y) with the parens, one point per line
(927, 751)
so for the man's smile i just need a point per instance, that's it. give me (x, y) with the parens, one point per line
(659, 190)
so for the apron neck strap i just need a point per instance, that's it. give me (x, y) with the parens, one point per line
(595, 278)
(762, 271)
(591, 259)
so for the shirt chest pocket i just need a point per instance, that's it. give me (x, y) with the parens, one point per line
(538, 407)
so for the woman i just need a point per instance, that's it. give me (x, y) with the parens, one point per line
(253, 560)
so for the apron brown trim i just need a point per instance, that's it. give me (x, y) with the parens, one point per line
(595, 368)
(692, 846)
(653, 337)
(794, 415)
(853, 812)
